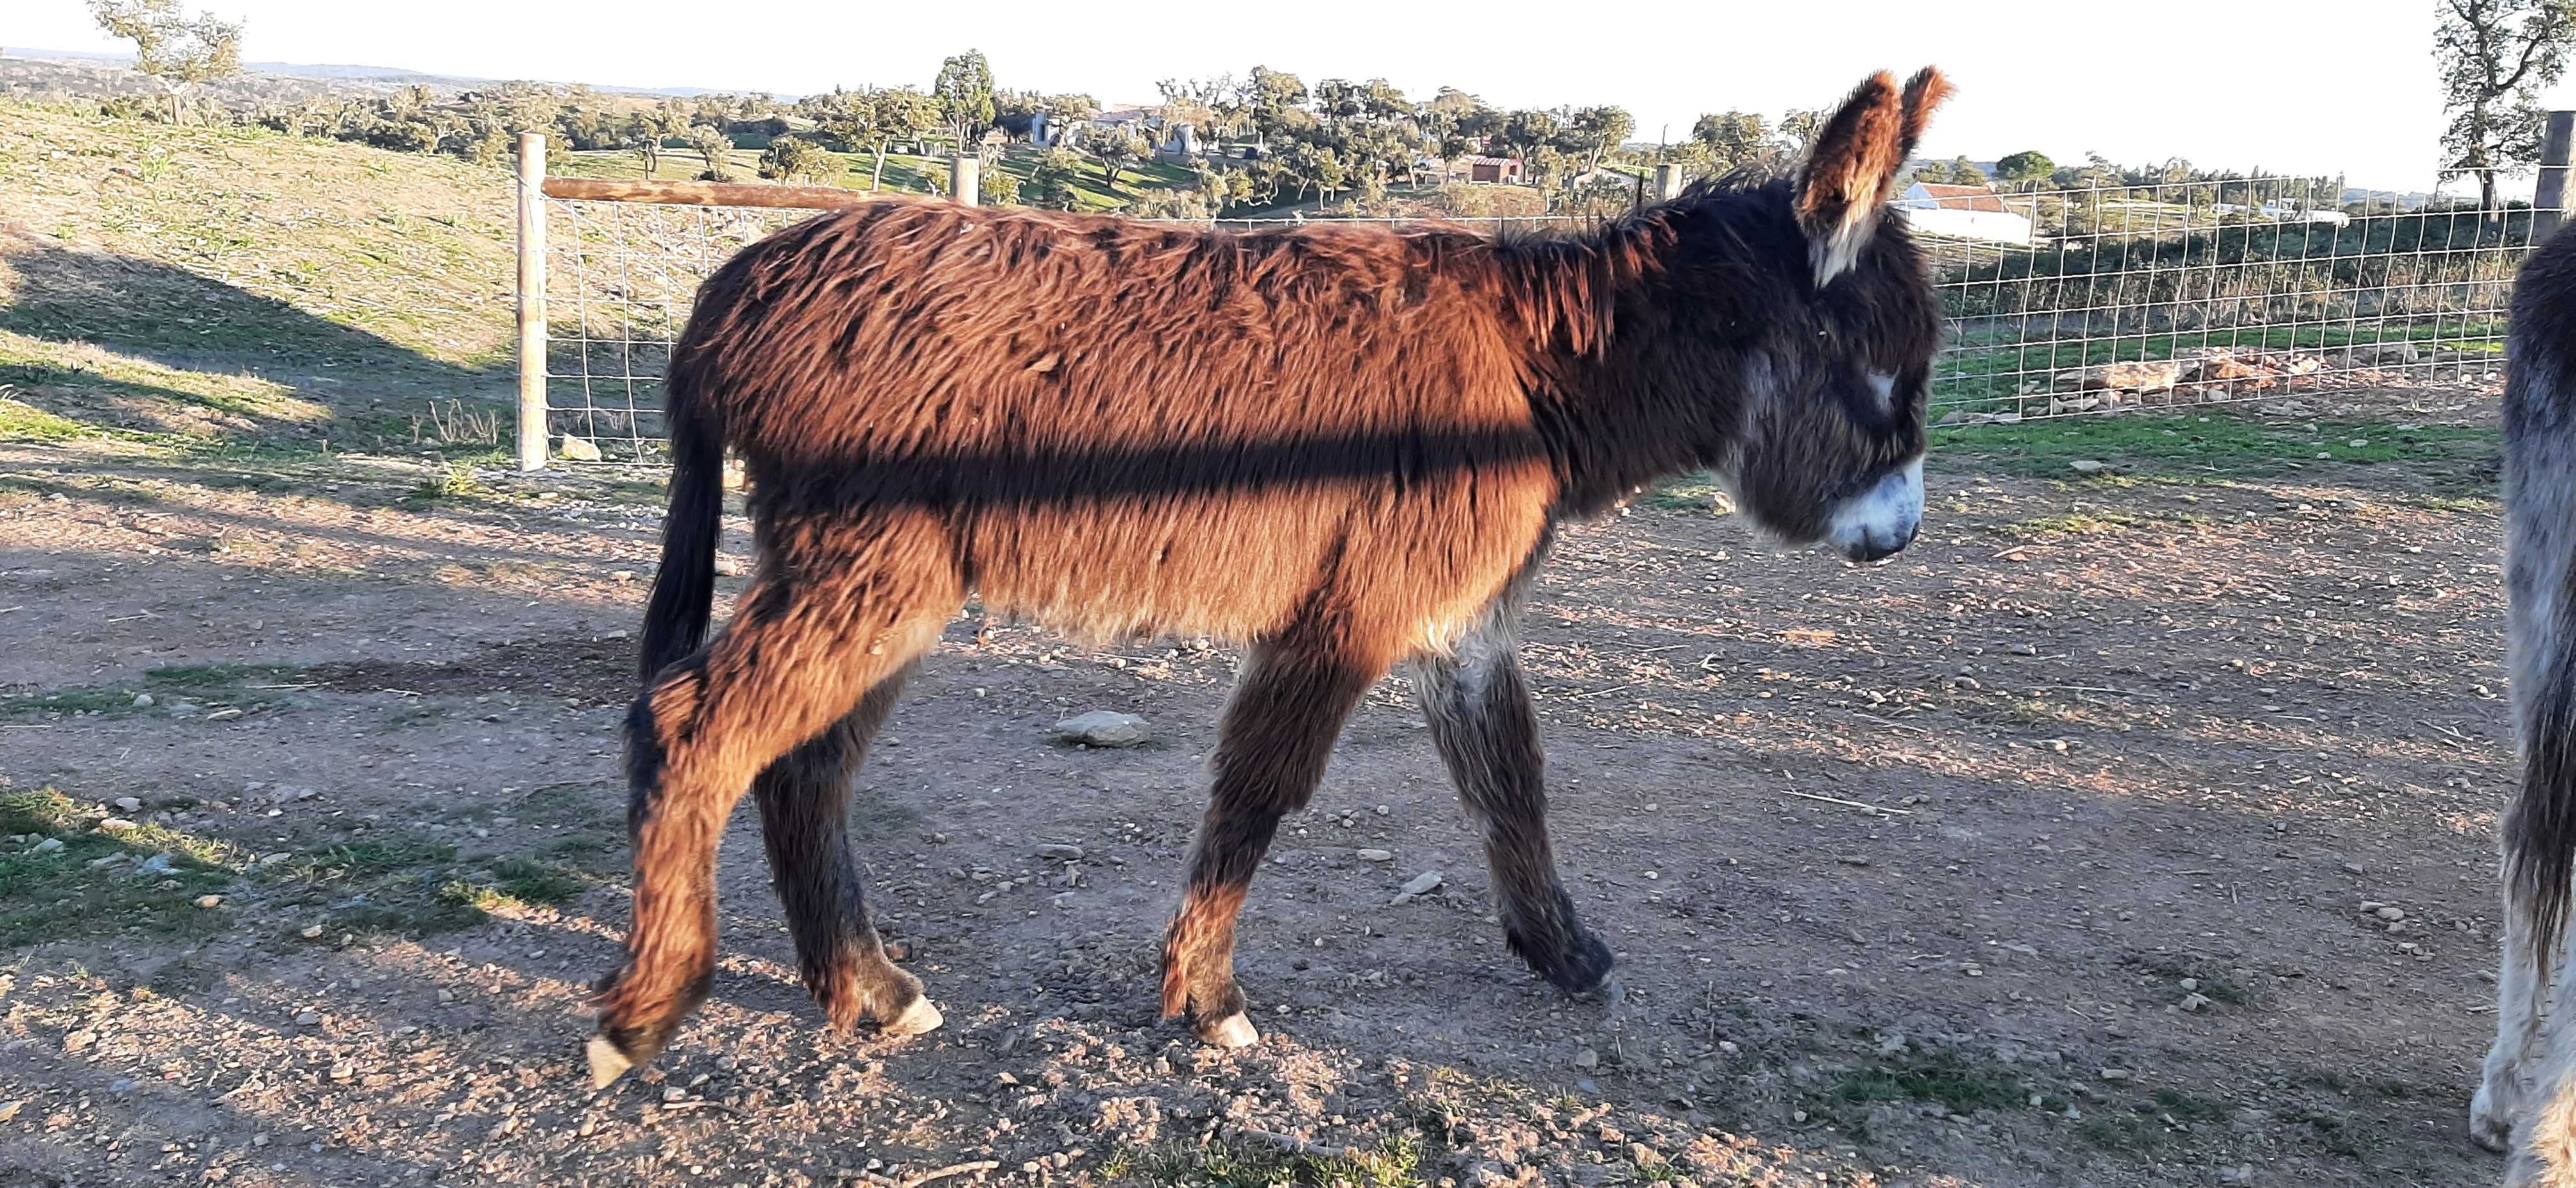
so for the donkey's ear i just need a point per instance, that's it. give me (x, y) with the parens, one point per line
(1851, 173)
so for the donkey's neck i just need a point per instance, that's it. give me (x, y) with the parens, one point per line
(1624, 391)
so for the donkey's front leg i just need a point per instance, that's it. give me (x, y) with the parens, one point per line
(1481, 720)
(1278, 730)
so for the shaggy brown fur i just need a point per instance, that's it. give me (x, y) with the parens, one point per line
(1343, 446)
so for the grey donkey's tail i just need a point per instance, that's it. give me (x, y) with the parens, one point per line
(2539, 835)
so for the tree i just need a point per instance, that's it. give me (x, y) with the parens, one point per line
(875, 121)
(1797, 130)
(965, 94)
(2026, 166)
(791, 158)
(1734, 140)
(1054, 182)
(2494, 57)
(1525, 130)
(177, 50)
(1115, 147)
(1965, 173)
(1271, 101)
(715, 147)
(1595, 130)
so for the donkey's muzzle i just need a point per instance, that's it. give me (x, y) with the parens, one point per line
(1883, 519)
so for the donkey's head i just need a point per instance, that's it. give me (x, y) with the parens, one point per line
(1831, 445)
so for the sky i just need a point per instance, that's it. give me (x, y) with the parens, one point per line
(2314, 87)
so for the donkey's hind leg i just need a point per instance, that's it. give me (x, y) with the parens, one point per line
(836, 609)
(1487, 733)
(1278, 730)
(804, 824)
(2503, 1083)
(2544, 1128)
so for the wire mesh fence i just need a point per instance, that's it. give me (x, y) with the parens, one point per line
(2117, 297)
(2060, 302)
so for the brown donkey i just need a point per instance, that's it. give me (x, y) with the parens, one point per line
(1342, 446)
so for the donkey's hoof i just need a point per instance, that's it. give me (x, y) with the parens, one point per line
(2490, 1127)
(606, 1062)
(1578, 964)
(916, 1019)
(1232, 1031)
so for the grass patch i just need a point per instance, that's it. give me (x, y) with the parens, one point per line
(395, 887)
(24, 422)
(1960, 1086)
(450, 481)
(2213, 444)
(216, 676)
(66, 701)
(1235, 1163)
(1692, 492)
(68, 877)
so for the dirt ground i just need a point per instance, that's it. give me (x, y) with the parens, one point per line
(2144, 743)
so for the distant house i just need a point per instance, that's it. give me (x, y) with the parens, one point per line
(1499, 170)
(1962, 212)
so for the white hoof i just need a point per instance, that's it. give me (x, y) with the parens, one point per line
(606, 1062)
(918, 1018)
(1232, 1031)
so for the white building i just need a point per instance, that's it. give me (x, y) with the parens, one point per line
(1962, 212)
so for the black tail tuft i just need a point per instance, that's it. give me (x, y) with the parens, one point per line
(2539, 835)
(684, 590)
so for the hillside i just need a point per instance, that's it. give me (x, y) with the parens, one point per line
(143, 267)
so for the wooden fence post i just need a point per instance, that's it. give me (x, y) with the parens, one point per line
(966, 171)
(1668, 182)
(2549, 201)
(532, 301)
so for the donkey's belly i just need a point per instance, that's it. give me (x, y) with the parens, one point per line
(1234, 569)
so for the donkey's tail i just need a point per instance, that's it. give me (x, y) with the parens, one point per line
(2539, 835)
(684, 589)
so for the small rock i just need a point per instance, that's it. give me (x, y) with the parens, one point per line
(9, 1109)
(49, 845)
(115, 825)
(2195, 1002)
(1060, 852)
(210, 901)
(729, 567)
(446, 995)
(2390, 914)
(141, 701)
(2242, 1173)
(1377, 855)
(79, 1041)
(1421, 885)
(2190, 984)
(622, 576)
(129, 804)
(2352, 868)
(577, 449)
(314, 932)
(675, 1093)
(1587, 1060)
(2085, 466)
(1102, 728)
(2118, 1074)
(308, 1018)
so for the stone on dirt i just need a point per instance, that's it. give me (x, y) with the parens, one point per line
(578, 449)
(1421, 885)
(1102, 728)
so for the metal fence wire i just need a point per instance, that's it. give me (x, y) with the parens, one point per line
(2060, 302)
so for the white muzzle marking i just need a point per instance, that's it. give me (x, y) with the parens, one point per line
(1881, 520)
